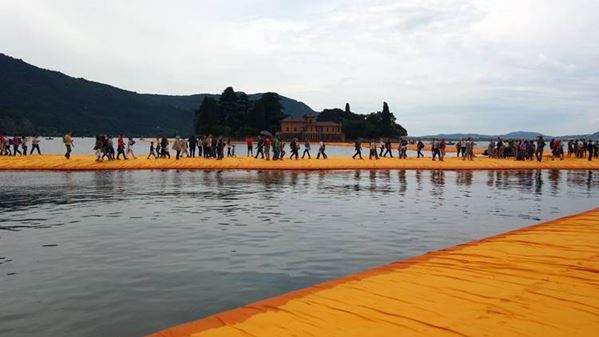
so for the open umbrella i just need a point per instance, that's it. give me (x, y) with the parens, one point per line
(265, 133)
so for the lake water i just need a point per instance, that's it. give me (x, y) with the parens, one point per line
(125, 253)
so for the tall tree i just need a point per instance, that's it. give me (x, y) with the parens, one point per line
(387, 122)
(347, 109)
(268, 112)
(207, 117)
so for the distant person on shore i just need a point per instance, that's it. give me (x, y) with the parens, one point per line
(35, 144)
(458, 148)
(373, 152)
(590, 149)
(469, 154)
(294, 146)
(16, 141)
(130, 144)
(358, 148)
(419, 147)
(321, 150)
(382, 147)
(540, 148)
(67, 139)
(260, 148)
(403, 148)
(306, 149)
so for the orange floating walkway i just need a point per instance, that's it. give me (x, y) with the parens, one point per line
(88, 163)
(542, 280)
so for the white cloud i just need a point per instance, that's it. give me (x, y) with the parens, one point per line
(443, 65)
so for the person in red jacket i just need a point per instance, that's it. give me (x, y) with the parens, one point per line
(120, 150)
(250, 143)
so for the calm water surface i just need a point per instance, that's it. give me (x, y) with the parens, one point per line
(130, 252)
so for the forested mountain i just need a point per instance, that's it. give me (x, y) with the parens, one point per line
(49, 102)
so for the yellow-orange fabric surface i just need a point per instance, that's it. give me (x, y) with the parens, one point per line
(87, 162)
(542, 280)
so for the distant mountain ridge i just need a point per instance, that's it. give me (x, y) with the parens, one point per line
(511, 135)
(51, 102)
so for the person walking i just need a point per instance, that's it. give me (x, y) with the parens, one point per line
(540, 148)
(358, 148)
(120, 148)
(267, 143)
(16, 141)
(249, 141)
(97, 148)
(321, 150)
(35, 145)
(220, 148)
(193, 142)
(435, 149)
(276, 148)
(260, 148)
(458, 148)
(164, 148)
(373, 152)
(177, 147)
(306, 149)
(469, 149)
(25, 141)
(419, 147)
(130, 144)
(403, 148)
(229, 154)
(67, 139)
(590, 149)
(442, 146)
(152, 152)
(184, 148)
(294, 149)
(388, 148)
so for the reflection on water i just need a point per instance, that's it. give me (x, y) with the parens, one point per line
(125, 253)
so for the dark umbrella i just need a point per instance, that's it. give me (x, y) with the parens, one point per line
(265, 133)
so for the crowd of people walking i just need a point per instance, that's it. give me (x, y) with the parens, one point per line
(11, 146)
(273, 147)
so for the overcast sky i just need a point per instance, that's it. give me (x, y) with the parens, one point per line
(442, 65)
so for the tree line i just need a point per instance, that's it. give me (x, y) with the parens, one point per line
(234, 114)
(380, 124)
